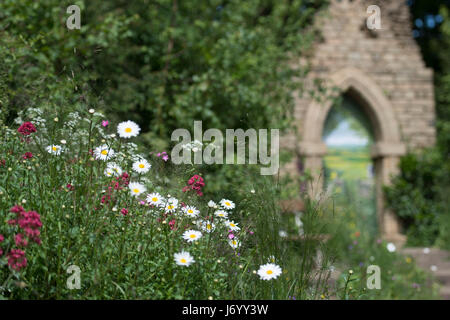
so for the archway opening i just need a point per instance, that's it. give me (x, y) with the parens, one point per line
(349, 173)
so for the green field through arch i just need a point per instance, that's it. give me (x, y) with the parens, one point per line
(348, 167)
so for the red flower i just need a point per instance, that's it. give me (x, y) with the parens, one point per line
(16, 259)
(26, 128)
(124, 211)
(17, 209)
(29, 222)
(2, 238)
(195, 183)
(20, 240)
(27, 155)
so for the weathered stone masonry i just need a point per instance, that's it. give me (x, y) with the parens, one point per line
(384, 71)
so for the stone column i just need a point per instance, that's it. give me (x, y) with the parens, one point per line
(386, 157)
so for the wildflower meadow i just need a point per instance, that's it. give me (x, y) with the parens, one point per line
(77, 192)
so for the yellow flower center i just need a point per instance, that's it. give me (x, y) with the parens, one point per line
(269, 272)
(141, 166)
(104, 152)
(170, 207)
(190, 211)
(54, 148)
(192, 236)
(208, 226)
(232, 224)
(234, 242)
(183, 260)
(227, 204)
(154, 199)
(136, 190)
(128, 130)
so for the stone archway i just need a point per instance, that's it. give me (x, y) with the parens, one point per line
(385, 152)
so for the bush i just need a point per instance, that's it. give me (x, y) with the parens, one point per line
(419, 196)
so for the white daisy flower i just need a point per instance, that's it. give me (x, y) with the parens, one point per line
(269, 271)
(208, 226)
(232, 225)
(192, 235)
(234, 243)
(171, 205)
(103, 152)
(221, 213)
(391, 247)
(227, 204)
(154, 198)
(128, 129)
(113, 170)
(183, 258)
(54, 149)
(141, 166)
(136, 188)
(191, 211)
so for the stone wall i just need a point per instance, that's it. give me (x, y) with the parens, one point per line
(390, 57)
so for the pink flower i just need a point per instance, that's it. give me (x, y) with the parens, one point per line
(2, 238)
(26, 128)
(163, 155)
(124, 211)
(105, 123)
(16, 259)
(230, 236)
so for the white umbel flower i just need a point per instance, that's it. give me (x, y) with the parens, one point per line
(136, 188)
(128, 129)
(191, 211)
(155, 198)
(103, 152)
(141, 166)
(269, 271)
(183, 258)
(113, 170)
(212, 204)
(227, 204)
(208, 226)
(391, 247)
(192, 235)
(232, 225)
(221, 214)
(54, 149)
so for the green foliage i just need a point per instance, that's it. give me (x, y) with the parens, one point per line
(165, 63)
(419, 196)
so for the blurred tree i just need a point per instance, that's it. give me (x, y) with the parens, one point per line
(164, 63)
